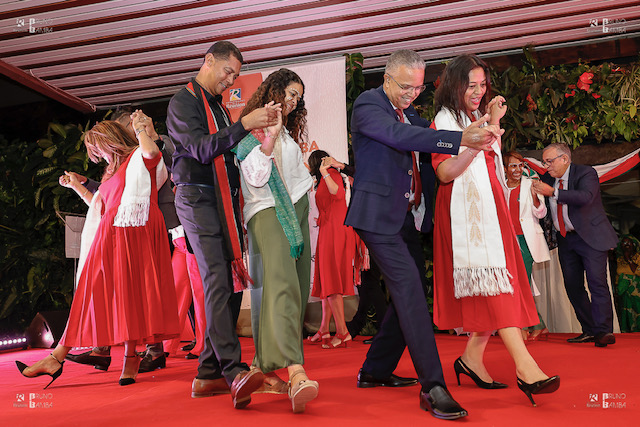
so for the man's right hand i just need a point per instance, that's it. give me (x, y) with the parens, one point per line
(262, 117)
(478, 137)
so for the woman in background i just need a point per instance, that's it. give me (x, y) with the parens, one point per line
(480, 282)
(125, 291)
(526, 209)
(335, 250)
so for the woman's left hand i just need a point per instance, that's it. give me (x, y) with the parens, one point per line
(497, 108)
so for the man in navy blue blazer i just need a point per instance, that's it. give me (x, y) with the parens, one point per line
(585, 236)
(385, 130)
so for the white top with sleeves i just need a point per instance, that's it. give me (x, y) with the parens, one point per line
(256, 169)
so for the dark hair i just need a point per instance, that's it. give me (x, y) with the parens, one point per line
(454, 82)
(273, 89)
(112, 139)
(514, 154)
(121, 111)
(315, 160)
(222, 50)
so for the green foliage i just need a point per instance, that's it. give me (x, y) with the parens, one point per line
(34, 273)
(568, 103)
(564, 103)
(355, 81)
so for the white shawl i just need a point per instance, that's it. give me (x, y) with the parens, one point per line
(479, 264)
(134, 203)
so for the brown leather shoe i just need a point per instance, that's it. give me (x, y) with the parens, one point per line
(206, 388)
(273, 384)
(245, 383)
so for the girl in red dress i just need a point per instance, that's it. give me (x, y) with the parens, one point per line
(335, 251)
(480, 280)
(125, 292)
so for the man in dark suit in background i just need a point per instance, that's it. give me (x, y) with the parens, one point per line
(386, 129)
(584, 238)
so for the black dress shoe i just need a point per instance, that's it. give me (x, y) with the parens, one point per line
(439, 402)
(191, 356)
(366, 380)
(99, 362)
(604, 338)
(189, 346)
(148, 363)
(582, 338)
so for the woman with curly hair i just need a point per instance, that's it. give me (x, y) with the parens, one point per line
(275, 183)
(125, 291)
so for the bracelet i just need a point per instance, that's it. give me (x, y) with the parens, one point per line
(325, 176)
(86, 190)
(138, 131)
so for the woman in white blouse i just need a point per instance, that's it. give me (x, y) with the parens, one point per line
(275, 183)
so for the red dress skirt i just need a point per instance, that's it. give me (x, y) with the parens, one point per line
(478, 313)
(336, 247)
(125, 291)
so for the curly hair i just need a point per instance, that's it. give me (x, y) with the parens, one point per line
(273, 89)
(454, 83)
(110, 139)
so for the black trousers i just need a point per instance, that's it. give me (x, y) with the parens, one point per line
(370, 293)
(407, 322)
(577, 258)
(221, 356)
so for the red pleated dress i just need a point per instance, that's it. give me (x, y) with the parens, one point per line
(125, 291)
(336, 246)
(478, 313)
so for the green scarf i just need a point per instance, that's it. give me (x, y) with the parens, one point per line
(285, 211)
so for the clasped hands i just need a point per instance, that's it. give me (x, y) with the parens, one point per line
(542, 188)
(481, 138)
(141, 123)
(330, 162)
(264, 117)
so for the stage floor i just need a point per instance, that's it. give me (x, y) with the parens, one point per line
(600, 386)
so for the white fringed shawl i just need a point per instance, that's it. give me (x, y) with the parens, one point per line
(479, 264)
(134, 203)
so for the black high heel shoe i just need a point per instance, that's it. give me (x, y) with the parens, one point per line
(129, 380)
(21, 367)
(549, 385)
(460, 368)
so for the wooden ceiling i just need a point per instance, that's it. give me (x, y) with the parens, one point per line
(113, 52)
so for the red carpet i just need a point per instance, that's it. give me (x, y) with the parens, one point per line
(591, 377)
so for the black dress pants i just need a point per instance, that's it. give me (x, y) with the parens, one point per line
(221, 356)
(407, 322)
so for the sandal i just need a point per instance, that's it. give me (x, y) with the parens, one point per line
(302, 392)
(342, 341)
(319, 337)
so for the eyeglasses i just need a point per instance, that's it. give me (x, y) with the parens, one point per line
(547, 163)
(407, 89)
(516, 165)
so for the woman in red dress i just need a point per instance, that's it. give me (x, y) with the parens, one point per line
(125, 291)
(480, 280)
(335, 250)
